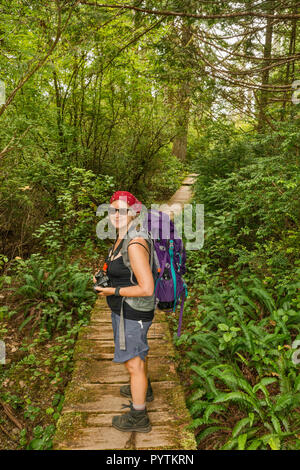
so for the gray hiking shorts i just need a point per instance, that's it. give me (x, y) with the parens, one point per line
(135, 338)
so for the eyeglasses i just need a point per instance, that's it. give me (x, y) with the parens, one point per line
(122, 211)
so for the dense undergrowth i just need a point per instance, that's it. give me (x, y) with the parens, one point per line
(237, 353)
(46, 302)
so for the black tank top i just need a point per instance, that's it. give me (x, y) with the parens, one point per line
(119, 275)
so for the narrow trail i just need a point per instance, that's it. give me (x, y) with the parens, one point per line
(92, 396)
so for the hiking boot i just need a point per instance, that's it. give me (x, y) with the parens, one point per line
(125, 391)
(133, 420)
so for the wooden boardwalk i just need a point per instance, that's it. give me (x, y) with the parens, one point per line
(92, 397)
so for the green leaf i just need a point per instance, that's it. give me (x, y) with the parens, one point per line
(207, 432)
(251, 419)
(239, 426)
(27, 320)
(276, 424)
(240, 397)
(212, 409)
(36, 444)
(274, 443)
(297, 383)
(284, 401)
(255, 444)
(265, 297)
(229, 445)
(227, 337)
(242, 439)
(223, 327)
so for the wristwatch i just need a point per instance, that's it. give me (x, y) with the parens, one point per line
(117, 291)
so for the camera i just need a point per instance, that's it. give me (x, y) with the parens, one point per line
(102, 281)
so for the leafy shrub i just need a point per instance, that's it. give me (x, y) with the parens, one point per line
(55, 292)
(244, 311)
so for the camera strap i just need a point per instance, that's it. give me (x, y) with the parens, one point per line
(114, 253)
(122, 341)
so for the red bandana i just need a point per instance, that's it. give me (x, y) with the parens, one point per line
(127, 197)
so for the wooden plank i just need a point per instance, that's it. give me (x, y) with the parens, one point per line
(106, 398)
(106, 371)
(109, 438)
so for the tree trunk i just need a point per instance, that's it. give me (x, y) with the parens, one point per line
(290, 66)
(182, 107)
(59, 118)
(263, 104)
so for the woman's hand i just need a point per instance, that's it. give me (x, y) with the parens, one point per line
(105, 290)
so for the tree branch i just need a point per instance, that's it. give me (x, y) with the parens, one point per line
(238, 14)
(27, 76)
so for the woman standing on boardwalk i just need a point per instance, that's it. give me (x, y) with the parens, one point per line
(130, 333)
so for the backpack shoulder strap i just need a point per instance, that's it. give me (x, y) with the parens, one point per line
(124, 250)
(138, 243)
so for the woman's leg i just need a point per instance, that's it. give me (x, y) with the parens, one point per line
(137, 418)
(138, 380)
(146, 366)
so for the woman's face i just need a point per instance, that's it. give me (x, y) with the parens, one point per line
(120, 214)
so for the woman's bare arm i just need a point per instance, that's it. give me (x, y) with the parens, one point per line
(139, 261)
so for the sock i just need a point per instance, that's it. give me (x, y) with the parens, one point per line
(139, 407)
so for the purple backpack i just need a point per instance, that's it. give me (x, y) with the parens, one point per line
(169, 262)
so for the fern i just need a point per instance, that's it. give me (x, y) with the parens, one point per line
(264, 297)
(240, 425)
(207, 432)
(210, 410)
(57, 290)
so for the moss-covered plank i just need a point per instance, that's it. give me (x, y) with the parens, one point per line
(106, 371)
(109, 438)
(106, 398)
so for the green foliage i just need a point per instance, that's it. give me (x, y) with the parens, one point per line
(55, 292)
(42, 438)
(165, 178)
(89, 122)
(241, 337)
(246, 281)
(4, 279)
(52, 206)
(218, 151)
(266, 413)
(252, 212)
(78, 207)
